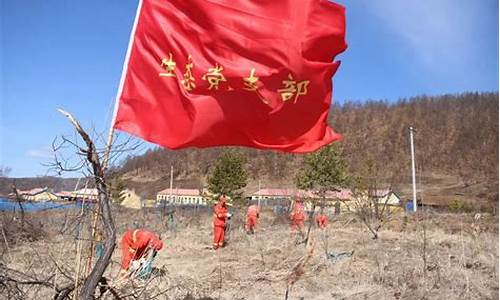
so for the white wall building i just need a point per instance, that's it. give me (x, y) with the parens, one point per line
(181, 197)
(86, 194)
(291, 194)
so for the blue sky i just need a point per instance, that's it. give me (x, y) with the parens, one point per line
(70, 53)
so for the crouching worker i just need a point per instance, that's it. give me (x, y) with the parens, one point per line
(220, 218)
(252, 216)
(137, 246)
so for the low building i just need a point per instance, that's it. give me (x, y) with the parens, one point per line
(275, 194)
(275, 197)
(340, 200)
(388, 197)
(37, 194)
(149, 203)
(382, 196)
(85, 194)
(130, 199)
(64, 195)
(181, 197)
(284, 197)
(290, 194)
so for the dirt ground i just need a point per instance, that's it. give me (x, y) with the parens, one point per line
(431, 256)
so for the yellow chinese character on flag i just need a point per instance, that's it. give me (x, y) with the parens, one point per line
(293, 89)
(214, 77)
(169, 66)
(251, 85)
(251, 81)
(188, 81)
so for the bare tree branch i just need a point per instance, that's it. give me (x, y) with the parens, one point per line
(95, 276)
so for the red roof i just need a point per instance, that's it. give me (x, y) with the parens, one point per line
(181, 192)
(342, 194)
(380, 193)
(32, 191)
(85, 192)
(277, 192)
(63, 194)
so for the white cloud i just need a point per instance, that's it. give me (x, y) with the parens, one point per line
(439, 31)
(42, 152)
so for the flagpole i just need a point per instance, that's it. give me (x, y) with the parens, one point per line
(120, 88)
(413, 170)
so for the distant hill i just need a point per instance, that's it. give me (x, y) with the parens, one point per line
(456, 134)
(456, 142)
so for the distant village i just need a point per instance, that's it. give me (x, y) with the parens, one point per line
(197, 197)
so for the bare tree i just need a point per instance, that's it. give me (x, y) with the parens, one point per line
(19, 201)
(322, 171)
(370, 202)
(92, 156)
(93, 161)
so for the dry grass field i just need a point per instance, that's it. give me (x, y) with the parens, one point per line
(430, 256)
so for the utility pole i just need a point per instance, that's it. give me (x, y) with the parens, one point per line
(258, 201)
(413, 169)
(171, 182)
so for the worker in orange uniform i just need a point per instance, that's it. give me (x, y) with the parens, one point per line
(297, 216)
(220, 218)
(136, 244)
(321, 220)
(252, 216)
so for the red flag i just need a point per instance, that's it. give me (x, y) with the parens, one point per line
(232, 72)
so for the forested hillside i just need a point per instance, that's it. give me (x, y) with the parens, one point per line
(456, 135)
